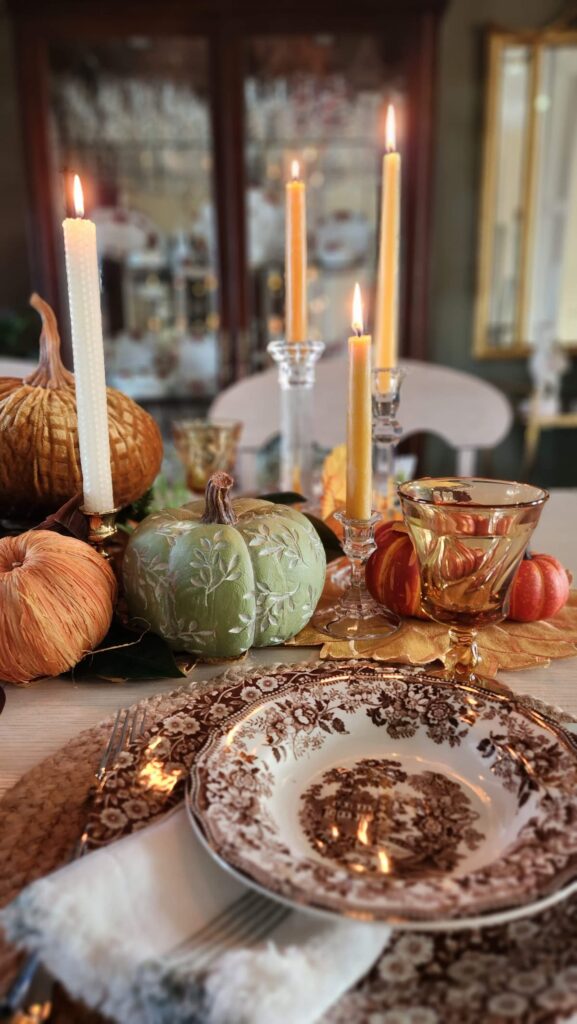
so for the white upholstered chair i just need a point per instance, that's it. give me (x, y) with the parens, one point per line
(17, 367)
(465, 411)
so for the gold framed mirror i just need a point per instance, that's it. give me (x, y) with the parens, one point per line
(527, 260)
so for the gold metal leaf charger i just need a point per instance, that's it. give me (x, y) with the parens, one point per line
(505, 647)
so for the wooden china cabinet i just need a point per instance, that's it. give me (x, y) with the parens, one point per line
(182, 119)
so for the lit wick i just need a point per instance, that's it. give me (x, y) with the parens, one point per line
(357, 323)
(78, 197)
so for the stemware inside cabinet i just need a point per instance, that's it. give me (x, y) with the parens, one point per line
(182, 121)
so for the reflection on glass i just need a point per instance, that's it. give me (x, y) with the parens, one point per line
(132, 118)
(511, 153)
(553, 293)
(321, 100)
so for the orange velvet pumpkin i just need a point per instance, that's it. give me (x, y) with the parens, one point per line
(540, 588)
(392, 571)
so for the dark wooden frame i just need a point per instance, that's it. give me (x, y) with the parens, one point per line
(37, 24)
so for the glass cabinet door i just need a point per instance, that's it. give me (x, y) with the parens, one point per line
(132, 117)
(320, 99)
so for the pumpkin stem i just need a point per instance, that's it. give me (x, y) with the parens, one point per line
(51, 372)
(218, 508)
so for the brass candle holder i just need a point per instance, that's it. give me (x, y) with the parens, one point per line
(101, 528)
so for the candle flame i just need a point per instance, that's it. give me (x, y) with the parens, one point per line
(390, 130)
(78, 197)
(357, 310)
(295, 170)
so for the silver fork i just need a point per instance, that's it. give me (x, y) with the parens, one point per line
(248, 920)
(33, 985)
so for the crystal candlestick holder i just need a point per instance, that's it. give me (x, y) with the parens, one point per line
(386, 435)
(101, 528)
(355, 615)
(296, 363)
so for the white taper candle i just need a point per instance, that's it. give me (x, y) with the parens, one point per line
(88, 351)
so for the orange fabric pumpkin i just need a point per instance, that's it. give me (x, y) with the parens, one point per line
(392, 571)
(540, 589)
(57, 597)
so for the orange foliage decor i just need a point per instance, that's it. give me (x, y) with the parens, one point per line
(334, 486)
(57, 597)
(334, 481)
(503, 647)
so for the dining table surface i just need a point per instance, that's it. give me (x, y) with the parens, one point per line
(42, 717)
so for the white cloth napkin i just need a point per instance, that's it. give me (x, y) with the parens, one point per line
(116, 928)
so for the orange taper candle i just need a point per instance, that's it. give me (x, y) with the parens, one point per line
(359, 419)
(296, 258)
(387, 305)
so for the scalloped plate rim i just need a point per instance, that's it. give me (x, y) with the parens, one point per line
(532, 905)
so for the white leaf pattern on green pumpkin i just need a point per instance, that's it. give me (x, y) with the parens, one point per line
(211, 568)
(154, 575)
(246, 622)
(288, 542)
(182, 631)
(308, 606)
(281, 543)
(172, 529)
(270, 605)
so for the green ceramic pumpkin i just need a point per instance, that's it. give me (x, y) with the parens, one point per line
(218, 576)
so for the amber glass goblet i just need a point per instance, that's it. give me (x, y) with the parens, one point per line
(205, 446)
(470, 536)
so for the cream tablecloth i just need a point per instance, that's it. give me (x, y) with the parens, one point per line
(41, 718)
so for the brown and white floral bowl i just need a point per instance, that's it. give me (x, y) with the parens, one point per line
(391, 795)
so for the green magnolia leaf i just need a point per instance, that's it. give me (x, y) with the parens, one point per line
(329, 539)
(128, 655)
(283, 498)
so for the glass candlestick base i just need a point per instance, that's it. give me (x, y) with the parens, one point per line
(386, 435)
(296, 363)
(355, 615)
